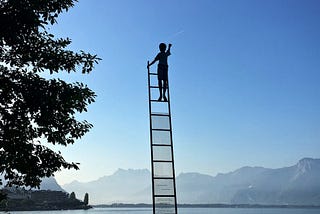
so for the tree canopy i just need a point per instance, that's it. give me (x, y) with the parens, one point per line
(72, 196)
(35, 110)
(86, 199)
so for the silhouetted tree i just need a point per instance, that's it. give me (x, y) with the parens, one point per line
(72, 196)
(32, 107)
(86, 199)
(3, 202)
(3, 196)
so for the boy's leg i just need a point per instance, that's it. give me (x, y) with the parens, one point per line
(160, 89)
(165, 84)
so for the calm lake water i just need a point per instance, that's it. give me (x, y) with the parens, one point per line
(182, 211)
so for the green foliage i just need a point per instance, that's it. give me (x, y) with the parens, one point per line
(32, 107)
(3, 196)
(3, 203)
(72, 196)
(86, 199)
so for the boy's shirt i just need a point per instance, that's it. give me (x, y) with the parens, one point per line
(163, 57)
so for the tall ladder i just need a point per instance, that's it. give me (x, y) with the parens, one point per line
(162, 161)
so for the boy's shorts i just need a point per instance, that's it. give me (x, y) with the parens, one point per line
(162, 72)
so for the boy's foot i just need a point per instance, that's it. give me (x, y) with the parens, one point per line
(159, 99)
(165, 99)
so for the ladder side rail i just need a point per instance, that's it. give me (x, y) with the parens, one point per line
(172, 153)
(151, 142)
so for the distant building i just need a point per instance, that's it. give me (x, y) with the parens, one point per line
(17, 193)
(20, 199)
(49, 196)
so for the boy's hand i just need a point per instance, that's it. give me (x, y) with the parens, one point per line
(170, 45)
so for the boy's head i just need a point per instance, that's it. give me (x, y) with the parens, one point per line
(162, 47)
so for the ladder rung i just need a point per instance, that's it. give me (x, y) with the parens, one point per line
(168, 196)
(161, 101)
(160, 114)
(162, 145)
(150, 73)
(162, 161)
(162, 178)
(153, 86)
(160, 129)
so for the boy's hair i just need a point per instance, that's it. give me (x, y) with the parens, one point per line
(162, 47)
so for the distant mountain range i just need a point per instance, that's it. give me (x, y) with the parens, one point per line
(294, 185)
(46, 184)
(126, 186)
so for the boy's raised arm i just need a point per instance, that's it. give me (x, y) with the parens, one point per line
(169, 48)
(152, 62)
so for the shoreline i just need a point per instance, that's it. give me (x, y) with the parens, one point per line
(142, 205)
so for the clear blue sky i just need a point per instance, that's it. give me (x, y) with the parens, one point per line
(244, 82)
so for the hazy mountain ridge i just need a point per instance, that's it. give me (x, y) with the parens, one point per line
(294, 185)
(46, 184)
(122, 186)
(50, 184)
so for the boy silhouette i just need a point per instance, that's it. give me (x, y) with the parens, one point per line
(162, 57)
